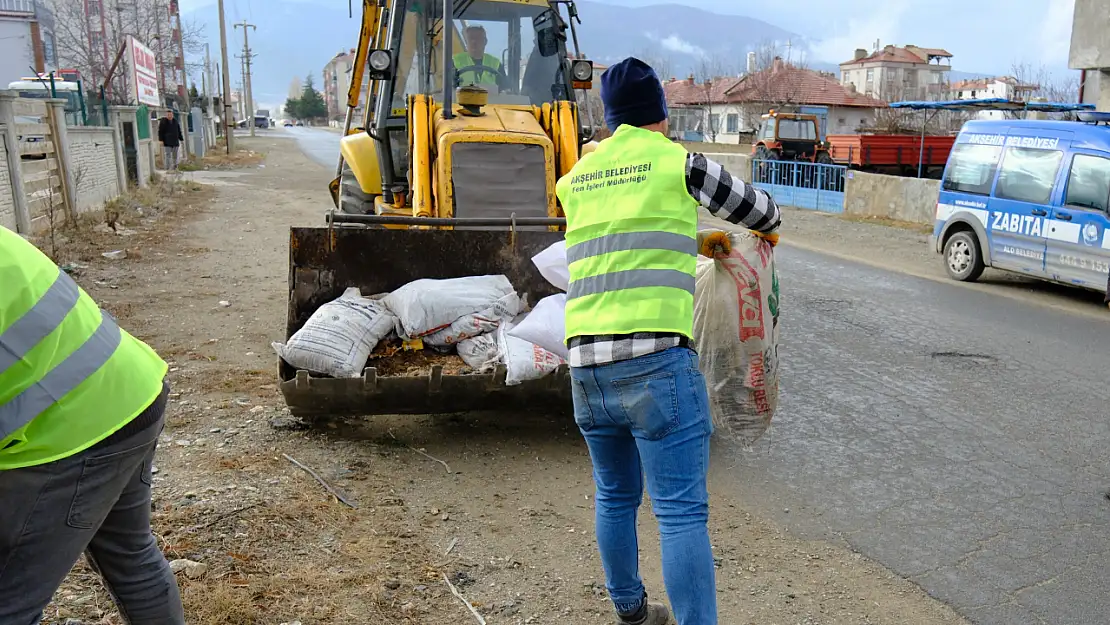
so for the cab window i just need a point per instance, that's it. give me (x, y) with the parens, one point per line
(797, 129)
(1089, 183)
(971, 168)
(1028, 175)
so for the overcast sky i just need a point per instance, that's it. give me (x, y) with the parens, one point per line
(983, 35)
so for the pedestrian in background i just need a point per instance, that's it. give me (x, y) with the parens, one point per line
(639, 399)
(169, 133)
(81, 409)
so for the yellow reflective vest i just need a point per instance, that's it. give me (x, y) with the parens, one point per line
(631, 238)
(476, 76)
(69, 376)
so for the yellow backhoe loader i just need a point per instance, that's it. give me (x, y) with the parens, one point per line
(468, 122)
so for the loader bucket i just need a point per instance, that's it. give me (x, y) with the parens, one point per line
(323, 262)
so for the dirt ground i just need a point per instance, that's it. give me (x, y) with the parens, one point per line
(501, 506)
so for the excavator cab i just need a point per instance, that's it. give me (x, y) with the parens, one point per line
(467, 124)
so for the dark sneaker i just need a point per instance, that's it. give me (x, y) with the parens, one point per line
(656, 614)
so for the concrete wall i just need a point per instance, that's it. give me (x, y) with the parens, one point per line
(92, 153)
(739, 165)
(146, 159)
(891, 197)
(7, 205)
(1090, 35)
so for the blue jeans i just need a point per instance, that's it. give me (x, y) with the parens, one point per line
(649, 416)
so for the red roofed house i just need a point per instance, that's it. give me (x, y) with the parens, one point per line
(730, 107)
(893, 73)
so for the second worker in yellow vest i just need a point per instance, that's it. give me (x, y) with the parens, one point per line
(81, 408)
(639, 399)
(475, 67)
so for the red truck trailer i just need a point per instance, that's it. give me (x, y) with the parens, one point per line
(892, 154)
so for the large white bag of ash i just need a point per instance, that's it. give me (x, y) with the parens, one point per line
(339, 336)
(546, 325)
(523, 360)
(736, 333)
(552, 263)
(476, 324)
(426, 306)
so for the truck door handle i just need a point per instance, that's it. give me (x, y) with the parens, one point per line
(1040, 213)
(1063, 216)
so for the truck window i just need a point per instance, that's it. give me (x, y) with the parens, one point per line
(1089, 183)
(794, 129)
(971, 168)
(1027, 175)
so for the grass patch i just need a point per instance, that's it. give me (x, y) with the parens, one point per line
(218, 159)
(124, 223)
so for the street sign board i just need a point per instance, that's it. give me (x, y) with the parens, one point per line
(144, 73)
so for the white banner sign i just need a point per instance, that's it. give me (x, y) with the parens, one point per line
(144, 73)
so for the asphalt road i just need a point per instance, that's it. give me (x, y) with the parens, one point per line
(320, 145)
(958, 437)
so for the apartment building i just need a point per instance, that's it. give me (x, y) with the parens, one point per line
(26, 39)
(894, 73)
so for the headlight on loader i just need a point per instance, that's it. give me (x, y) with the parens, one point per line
(582, 74)
(381, 64)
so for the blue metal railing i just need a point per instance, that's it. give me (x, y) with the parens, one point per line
(802, 184)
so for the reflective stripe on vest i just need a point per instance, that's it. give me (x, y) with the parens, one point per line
(631, 279)
(623, 241)
(631, 237)
(44, 317)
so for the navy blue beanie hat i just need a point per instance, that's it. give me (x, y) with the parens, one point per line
(632, 95)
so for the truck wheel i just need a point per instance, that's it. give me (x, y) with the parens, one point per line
(963, 258)
(352, 199)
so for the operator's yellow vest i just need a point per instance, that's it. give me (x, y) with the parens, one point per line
(631, 238)
(476, 76)
(69, 376)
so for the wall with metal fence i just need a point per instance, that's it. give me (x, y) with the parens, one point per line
(802, 184)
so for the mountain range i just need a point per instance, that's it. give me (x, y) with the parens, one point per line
(295, 39)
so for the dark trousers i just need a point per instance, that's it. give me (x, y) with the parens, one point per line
(96, 502)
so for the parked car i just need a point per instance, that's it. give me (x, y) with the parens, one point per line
(1028, 196)
(300, 123)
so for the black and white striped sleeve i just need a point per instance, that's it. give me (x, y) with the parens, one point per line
(730, 198)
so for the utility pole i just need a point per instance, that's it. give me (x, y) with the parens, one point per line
(247, 73)
(228, 123)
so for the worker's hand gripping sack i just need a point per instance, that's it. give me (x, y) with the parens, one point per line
(736, 311)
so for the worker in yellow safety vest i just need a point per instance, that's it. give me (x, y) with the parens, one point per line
(81, 409)
(475, 67)
(632, 244)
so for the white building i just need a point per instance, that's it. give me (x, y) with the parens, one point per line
(892, 73)
(26, 40)
(1004, 87)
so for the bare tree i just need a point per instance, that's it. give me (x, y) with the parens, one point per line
(1036, 82)
(659, 62)
(90, 41)
(773, 83)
